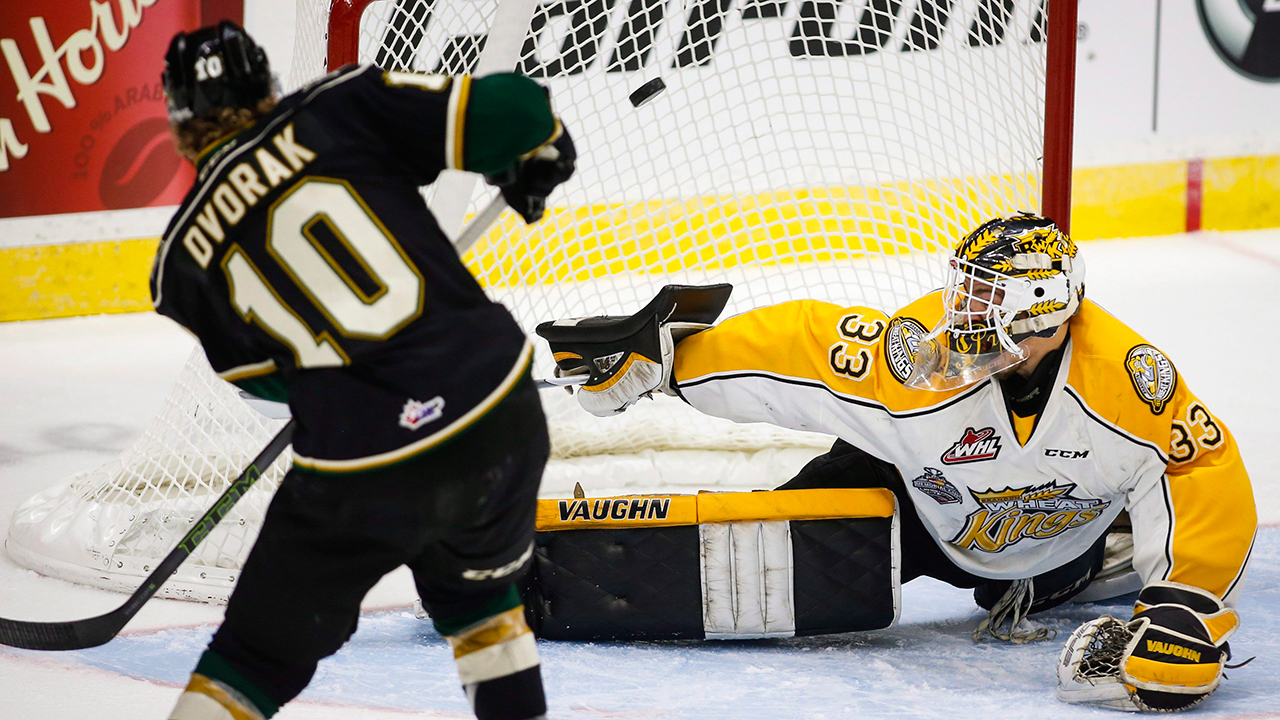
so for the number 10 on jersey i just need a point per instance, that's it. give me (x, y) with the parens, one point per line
(353, 311)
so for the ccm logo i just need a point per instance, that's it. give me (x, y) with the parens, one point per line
(1069, 454)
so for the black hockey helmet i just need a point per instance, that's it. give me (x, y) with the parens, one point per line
(213, 68)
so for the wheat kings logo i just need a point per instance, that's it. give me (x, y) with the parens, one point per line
(1153, 376)
(1007, 517)
(902, 342)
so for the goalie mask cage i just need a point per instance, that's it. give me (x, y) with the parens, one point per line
(827, 149)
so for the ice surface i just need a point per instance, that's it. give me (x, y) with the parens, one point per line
(925, 667)
(75, 392)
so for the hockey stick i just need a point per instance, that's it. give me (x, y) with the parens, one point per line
(480, 225)
(561, 382)
(95, 631)
(91, 632)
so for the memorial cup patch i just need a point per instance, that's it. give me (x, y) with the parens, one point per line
(1007, 517)
(1153, 376)
(933, 484)
(902, 342)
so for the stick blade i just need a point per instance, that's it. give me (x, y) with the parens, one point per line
(70, 635)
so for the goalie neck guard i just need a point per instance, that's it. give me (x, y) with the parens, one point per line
(214, 68)
(1009, 280)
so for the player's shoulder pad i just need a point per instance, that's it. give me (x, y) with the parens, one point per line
(1120, 375)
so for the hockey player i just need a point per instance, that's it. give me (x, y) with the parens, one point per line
(309, 267)
(1014, 420)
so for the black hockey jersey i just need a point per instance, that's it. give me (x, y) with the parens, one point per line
(305, 260)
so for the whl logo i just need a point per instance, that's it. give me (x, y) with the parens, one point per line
(975, 446)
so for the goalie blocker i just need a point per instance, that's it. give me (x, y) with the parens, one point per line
(714, 565)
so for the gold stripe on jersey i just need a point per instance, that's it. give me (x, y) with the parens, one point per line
(812, 341)
(496, 630)
(404, 453)
(252, 370)
(456, 124)
(424, 81)
(497, 647)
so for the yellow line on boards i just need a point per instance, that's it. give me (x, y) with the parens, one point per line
(50, 281)
(785, 227)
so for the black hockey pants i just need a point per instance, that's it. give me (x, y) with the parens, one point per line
(846, 466)
(467, 505)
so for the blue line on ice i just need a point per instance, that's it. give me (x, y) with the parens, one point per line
(925, 667)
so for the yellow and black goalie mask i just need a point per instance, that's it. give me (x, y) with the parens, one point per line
(1011, 279)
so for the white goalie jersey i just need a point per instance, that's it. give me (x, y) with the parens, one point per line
(1004, 496)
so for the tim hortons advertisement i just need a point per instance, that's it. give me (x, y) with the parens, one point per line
(82, 114)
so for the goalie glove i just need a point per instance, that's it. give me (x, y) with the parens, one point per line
(624, 359)
(527, 183)
(1168, 658)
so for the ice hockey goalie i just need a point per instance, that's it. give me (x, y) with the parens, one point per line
(1015, 422)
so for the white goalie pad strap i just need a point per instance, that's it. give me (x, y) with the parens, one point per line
(747, 580)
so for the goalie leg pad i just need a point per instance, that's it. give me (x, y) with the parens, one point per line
(759, 565)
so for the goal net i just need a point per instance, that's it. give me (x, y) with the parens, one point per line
(827, 149)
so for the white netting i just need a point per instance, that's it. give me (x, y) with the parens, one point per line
(110, 526)
(806, 148)
(820, 149)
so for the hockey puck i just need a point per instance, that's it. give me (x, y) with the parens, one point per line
(647, 91)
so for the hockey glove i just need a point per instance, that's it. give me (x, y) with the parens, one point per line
(1169, 657)
(626, 358)
(527, 183)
